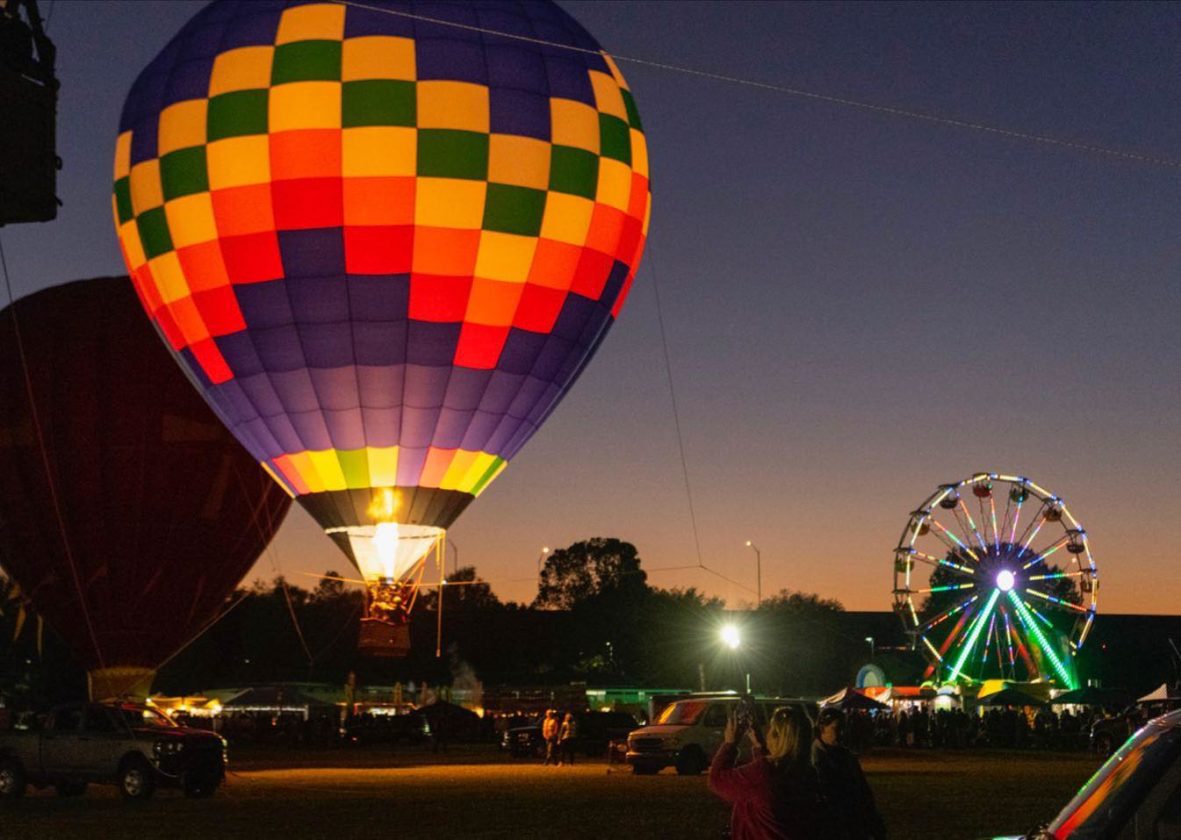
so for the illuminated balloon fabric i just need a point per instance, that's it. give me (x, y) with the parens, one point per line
(163, 510)
(385, 247)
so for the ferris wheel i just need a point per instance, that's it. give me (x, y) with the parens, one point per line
(994, 579)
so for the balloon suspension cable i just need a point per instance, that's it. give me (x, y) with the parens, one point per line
(53, 494)
(440, 551)
(800, 93)
(205, 628)
(272, 554)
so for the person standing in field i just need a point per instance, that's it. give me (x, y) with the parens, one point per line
(566, 736)
(774, 795)
(842, 783)
(549, 734)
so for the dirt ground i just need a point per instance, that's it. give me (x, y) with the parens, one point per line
(339, 795)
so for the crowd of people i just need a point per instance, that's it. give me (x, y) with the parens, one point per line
(1008, 727)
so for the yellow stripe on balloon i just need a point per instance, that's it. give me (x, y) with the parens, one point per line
(383, 465)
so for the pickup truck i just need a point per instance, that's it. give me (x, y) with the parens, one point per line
(127, 744)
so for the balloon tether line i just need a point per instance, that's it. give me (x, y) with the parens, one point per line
(57, 510)
(672, 393)
(862, 105)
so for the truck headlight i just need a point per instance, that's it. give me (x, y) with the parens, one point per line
(167, 747)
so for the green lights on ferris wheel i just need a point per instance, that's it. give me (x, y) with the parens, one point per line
(1043, 643)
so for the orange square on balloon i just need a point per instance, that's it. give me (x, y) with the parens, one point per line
(203, 266)
(605, 229)
(492, 302)
(554, 264)
(445, 250)
(188, 319)
(307, 153)
(379, 201)
(242, 210)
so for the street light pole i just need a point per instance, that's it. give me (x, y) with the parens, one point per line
(758, 571)
(871, 649)
(540, 558)
(455, 561)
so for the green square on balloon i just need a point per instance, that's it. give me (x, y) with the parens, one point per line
(183, 172)
(510, 209)
(237, 114)
(378, 102)
(306, 61)
(574, 171)
(633, 114)
(446, 153)
(615, 139)
(123, 200)
(153, 232)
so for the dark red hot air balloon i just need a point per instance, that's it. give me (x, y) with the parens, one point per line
(127, 512)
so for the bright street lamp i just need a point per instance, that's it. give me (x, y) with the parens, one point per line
(870, 640)
(540, 559)
(758, 571)
(731, 636)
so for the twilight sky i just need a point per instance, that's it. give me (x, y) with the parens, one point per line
(858, 307)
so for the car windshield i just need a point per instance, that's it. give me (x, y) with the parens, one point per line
(138, 717)
(685, 712)
(1104, 803)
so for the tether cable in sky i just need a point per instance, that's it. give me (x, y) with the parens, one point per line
(800, 93)
(672, 393)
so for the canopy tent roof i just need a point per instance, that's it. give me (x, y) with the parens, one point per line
(1092, 696)
(272, 699)
(1164, 692)
(1010, 697)
(851, 698)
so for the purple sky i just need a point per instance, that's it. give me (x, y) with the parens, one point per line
(858, 307)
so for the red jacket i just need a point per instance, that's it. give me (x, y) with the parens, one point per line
(748, 787)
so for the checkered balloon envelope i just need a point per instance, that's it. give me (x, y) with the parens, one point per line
(383, 238)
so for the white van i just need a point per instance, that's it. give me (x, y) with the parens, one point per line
(687, 733)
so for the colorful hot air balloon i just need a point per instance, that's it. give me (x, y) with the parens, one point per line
(127, 512)
(385, 238)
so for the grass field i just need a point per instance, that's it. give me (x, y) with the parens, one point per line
(472, 793)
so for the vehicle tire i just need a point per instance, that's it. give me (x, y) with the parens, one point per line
(690, 762)
(645, 769)
(74, 787)
(202, 786)
(12, 779)
(136, 782)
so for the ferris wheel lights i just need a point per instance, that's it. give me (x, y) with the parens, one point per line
(1005, 580)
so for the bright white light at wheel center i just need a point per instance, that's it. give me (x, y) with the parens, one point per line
(1004, 580)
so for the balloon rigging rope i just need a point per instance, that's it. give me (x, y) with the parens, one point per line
(57, 507)
(801, 93)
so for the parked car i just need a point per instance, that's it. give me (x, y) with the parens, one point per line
(595, 731)
(1135, 794)
(410, 727)
(1109, 732)
(127, 744)
(688, 732)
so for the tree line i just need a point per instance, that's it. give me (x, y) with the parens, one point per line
(596, 618)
